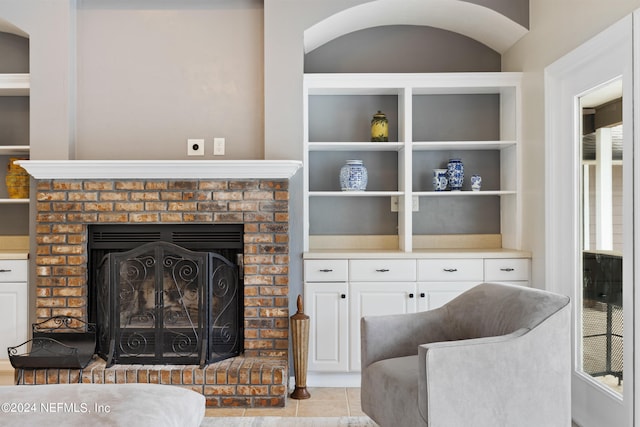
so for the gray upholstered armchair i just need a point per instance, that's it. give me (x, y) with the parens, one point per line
(497, 355)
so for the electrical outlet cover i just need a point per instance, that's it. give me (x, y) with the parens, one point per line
(195, 147)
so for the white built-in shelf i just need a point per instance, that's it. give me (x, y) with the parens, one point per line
(427, 129)
(13, 201)
(462, 193)
(355, 193)
(14, 150)
(461, 145)
(14, 84)
(355, 146)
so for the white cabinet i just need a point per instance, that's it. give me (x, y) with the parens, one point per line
(340, 291)
(432, 117)
(13, 304)
(375, 299)
(327, 307)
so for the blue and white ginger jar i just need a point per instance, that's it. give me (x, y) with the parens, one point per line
(353, 176)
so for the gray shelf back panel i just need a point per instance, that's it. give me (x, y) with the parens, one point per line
(457, 215)
(352, 216)
(382, 169)
(338, 118)
(466, 117)
(15, 219)
(485, 163)
(14, 120)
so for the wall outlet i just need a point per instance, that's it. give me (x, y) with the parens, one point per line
(395, 200)
(218, 146)
(195, 147)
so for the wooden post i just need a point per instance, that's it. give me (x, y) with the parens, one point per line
(300, 346)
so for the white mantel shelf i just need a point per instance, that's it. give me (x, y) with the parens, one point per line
(161, 169)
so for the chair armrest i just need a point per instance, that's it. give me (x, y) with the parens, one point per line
(522, 378)
(385, 337)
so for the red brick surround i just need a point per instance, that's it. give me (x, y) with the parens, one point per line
(66, 207)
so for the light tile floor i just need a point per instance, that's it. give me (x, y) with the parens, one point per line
(324, 402)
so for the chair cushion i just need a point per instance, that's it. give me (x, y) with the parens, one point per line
(392, 386)
(81, 405)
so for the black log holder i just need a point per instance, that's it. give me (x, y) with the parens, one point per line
(58, 342)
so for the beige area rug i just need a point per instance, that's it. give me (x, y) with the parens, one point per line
(287, 422)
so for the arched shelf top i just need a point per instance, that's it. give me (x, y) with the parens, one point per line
(480, 23)
(8, 27)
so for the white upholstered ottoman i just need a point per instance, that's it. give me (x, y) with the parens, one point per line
(70, 405)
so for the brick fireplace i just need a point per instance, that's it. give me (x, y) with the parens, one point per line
(71, 195)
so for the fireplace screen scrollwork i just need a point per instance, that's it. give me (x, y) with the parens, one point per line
(161, 303)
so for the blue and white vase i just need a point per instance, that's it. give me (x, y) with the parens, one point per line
(353, 176)
(439, 179)
(455, 173)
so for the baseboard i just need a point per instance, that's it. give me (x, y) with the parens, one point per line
(329, 379)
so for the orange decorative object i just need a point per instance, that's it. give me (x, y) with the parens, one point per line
(17, 180)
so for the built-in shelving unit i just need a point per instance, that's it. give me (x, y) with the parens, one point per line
(12, 85)
(432, 118)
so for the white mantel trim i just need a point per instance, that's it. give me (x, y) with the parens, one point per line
(161, 169)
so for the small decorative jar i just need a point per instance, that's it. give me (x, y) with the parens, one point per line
(379, 127)
(455, 173)
(353, 176)
(439, 179)
(476, 182)
(17, 180)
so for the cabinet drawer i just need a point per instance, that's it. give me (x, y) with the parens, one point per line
(326, 270)
(510, 269)
(13, 270)
(450, 270)
(382, 270)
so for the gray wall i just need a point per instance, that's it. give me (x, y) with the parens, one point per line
(402, 48)
(152, 74)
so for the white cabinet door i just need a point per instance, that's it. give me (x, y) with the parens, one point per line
(13, 315)
(375, 299)
(436, 294)
(327, 307)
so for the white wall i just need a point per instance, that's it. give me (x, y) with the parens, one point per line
(50, 26)
(556, 28)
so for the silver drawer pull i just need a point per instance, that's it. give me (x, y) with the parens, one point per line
(450, 270)
(507, 269)
(326, 270)
(5, 271)
(382, 270)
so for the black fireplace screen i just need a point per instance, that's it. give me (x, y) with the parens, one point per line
(163, 303)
